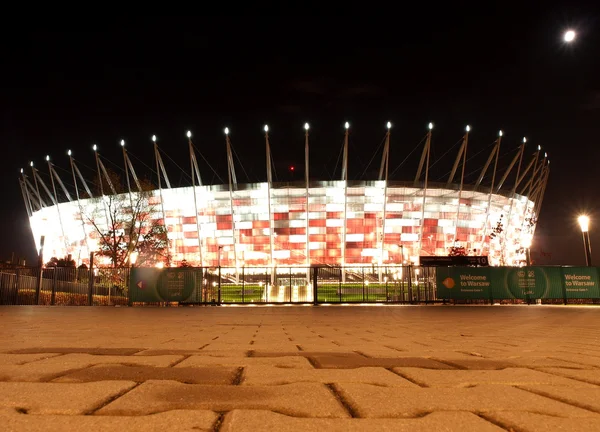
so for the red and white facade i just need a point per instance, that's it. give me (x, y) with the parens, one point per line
(253, 235)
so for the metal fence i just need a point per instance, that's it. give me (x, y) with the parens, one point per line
(64, 286)
(244, 286)
(315, 285)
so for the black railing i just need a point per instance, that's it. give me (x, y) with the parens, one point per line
(281, 285)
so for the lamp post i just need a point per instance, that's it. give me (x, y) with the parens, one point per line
(584, 224)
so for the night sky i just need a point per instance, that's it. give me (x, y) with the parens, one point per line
(492, 67)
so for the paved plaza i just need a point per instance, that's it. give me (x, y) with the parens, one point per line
(417, 368)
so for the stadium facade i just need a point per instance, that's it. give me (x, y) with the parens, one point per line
(338, 223)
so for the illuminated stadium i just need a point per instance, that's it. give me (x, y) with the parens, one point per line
(310, 222)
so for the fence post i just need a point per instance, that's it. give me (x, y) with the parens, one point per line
(243, 283)
(219, 288)
(128, 285)
(17, 281)
(315, 291)
(54, 277)
(91, 281)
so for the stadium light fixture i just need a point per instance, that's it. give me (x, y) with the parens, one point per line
(389, 125)
(430, 126)
(500, 133)
(189, 134)
(266, 128)
(31, 163)
(95, 147)
(546, 155)
(153, 138)
(468, 128)
(226, 131)
(524, 140)
(347, 125)
(122, 143)
(21, 170)
(47, 158)
(69, 153)
(306, 126)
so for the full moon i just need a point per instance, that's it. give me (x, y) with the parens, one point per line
(569, 36)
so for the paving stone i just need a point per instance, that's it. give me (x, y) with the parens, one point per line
(12, 420)
(586, 397)
(69, 350)
(291, 362)
(468, 378)
(578, 359)
(246, 420)
(32, 372)
(526, 422)
(269, 375)
(191, 375)
(301, 399)
(377, 402)
(179, 352)
(59, 398)
(587, 375)
(353, 360)
(474, 363)
(86, 360)
(19, 359)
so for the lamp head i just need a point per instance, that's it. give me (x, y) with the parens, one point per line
(584, 223)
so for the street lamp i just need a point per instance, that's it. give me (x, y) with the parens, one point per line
(584, 224)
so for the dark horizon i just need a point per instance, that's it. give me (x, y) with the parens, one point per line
(67, 90)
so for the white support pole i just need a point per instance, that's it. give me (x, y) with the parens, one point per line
(162, 201)
(489, 203)
(37, 188)
(62, 228)
(25, 194)
(99, 165)
(424, 158)
(306, 178)
(85, 185)
(385, 166)
(345, 180)
(462, 177)
(127, 173)
(529, 186)
(85, 237)
(512, 197)
(232, 183)
(194, 169)
(269, 184)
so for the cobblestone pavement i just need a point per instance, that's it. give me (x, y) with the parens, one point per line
(336, 368)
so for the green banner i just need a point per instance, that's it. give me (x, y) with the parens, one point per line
(462, 283)
(526, 283)
(163, 285)
(580, 282)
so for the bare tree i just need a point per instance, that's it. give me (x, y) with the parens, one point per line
(129, 222)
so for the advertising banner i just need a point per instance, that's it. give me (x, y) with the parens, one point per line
(525, 283)
(162, 285)
(463, 283)
(580, 282)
